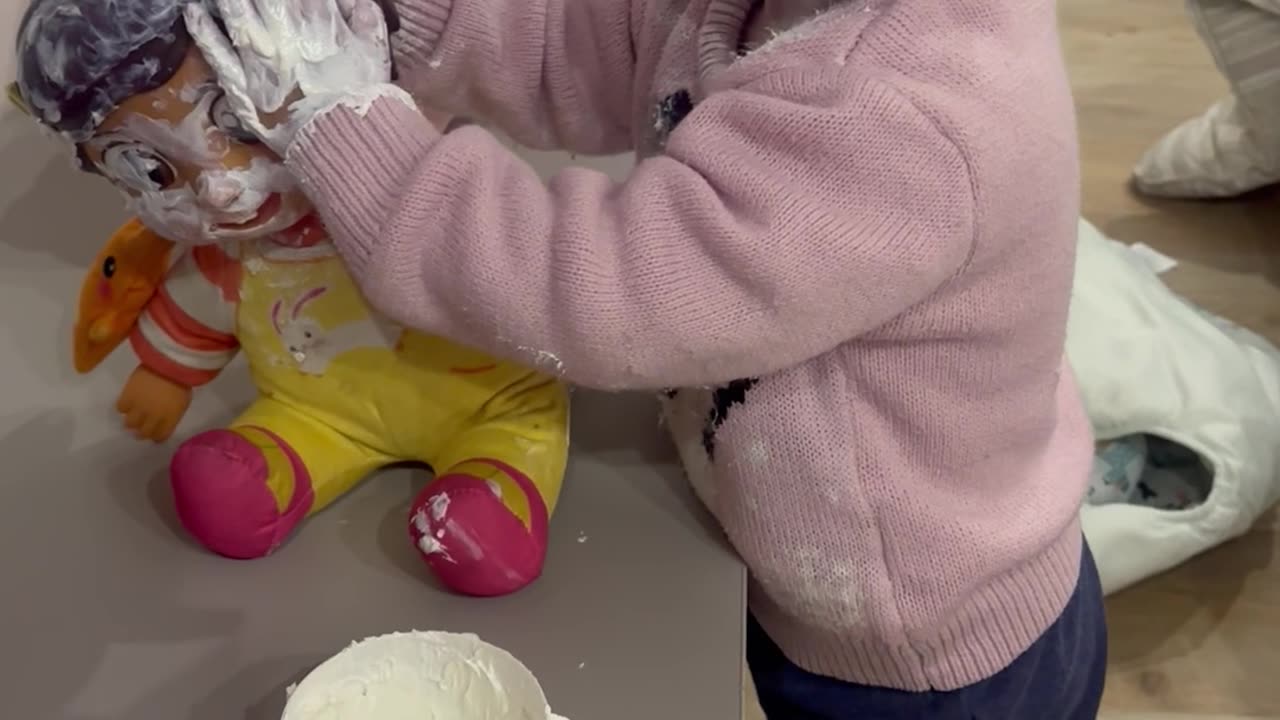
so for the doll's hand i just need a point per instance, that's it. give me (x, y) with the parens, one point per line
(152, 404)
(282, 62)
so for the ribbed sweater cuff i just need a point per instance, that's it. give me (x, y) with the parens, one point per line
(355, 166)
(422, 25)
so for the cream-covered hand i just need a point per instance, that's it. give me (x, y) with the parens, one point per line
(283, 62)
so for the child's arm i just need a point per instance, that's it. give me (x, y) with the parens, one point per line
(770, 232)
(183, 339)
(552, 73)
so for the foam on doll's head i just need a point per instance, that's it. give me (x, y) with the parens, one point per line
(79, 59)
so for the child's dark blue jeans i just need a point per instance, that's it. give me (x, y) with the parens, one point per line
(1060, 677)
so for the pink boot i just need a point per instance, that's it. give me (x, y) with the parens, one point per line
(220, 489)
(471, 541)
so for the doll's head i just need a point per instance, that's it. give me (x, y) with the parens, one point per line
(124, 82)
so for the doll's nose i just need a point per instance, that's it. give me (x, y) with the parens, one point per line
(217, 191)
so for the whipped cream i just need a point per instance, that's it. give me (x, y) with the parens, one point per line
(420, 676)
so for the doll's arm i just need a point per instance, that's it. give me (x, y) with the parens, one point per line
(183, 339)
(186, 333)
(151, 405)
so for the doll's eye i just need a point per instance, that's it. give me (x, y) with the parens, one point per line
(138, 167)
(225, 119)
(109, 267)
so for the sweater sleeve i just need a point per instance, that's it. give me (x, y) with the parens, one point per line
(769, 233)
(186, 333)
(553, 74)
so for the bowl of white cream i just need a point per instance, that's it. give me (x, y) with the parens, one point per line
(419, 676)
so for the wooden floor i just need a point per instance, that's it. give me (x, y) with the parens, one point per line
(1201, 642)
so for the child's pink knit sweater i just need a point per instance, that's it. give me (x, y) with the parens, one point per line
(852, 248)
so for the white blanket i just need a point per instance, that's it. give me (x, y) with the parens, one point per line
(1150, 362)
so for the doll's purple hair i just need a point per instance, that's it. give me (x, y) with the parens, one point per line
(79, 59)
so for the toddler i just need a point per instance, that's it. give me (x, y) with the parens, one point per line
(843, 260)
(1234, 147)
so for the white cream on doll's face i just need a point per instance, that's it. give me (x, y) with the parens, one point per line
(191, 173)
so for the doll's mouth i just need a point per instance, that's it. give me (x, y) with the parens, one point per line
(265, 212)
(306, 232)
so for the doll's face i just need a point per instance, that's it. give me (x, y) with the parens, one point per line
(192, 172)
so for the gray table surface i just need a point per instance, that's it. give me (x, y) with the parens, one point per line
(109, 613)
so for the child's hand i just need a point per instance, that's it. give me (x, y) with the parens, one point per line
(282, 62)
(152, 404)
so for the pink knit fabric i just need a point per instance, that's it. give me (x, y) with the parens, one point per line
(869, 224)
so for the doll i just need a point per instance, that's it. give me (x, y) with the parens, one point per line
(227, 257)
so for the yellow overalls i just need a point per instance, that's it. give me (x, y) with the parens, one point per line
(344, 392)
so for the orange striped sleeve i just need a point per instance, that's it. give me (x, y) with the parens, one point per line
(163, 364)
(187, 332)
(172, 319)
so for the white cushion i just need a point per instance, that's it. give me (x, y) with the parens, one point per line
(1150, 362)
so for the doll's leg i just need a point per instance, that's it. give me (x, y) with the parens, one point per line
(481, 524)
(242, 490)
